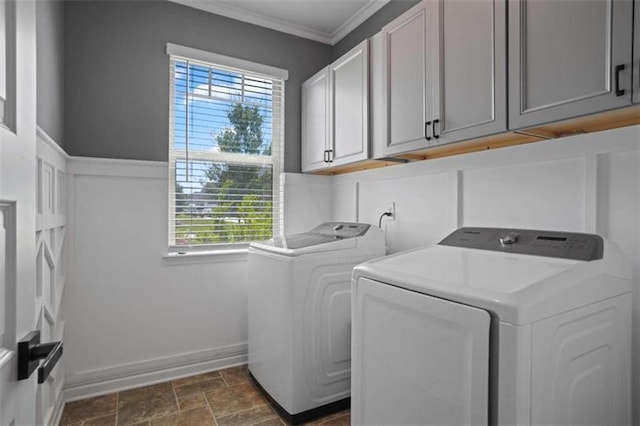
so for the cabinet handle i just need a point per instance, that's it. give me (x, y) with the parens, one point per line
(426, 130)
(433, 128)
(619, 69)
(329, 156)
(324, 156)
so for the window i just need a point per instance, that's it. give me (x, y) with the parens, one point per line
(225, 153)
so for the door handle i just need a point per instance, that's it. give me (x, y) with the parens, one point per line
(433, 129)
(31, 351)
(329, 156)
(426, 130)
(618, 70)
(324, 156)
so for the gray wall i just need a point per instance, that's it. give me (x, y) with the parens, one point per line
(117, 73)
(50, 68)
(372, 25)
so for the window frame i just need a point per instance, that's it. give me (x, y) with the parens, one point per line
(214, 60)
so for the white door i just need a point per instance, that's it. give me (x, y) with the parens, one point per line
(568, 58)
(417, 359)
(472, 78)
(17, 205)
(315, 122)
(350, 106)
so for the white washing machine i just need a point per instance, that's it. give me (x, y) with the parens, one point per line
(300, 315)
(494, 326)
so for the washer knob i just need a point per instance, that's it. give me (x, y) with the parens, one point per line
(510, 238)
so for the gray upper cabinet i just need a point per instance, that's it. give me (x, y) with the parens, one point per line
(636, 54)
(349, 77)
(442, 77)
(567, 58)
(408, 61)
(471, 79)
(335, 112)
(315, 121)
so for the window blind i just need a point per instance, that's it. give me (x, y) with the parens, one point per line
(226, 141)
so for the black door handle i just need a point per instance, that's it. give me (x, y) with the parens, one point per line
(31, 351)
(329, 156)
(426, 130)
(324, 157)
(433, 129)
(618, 70)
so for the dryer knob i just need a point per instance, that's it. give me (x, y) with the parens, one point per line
(510, 238)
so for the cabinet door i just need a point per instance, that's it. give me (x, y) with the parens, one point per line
(315, 121)
(472, 84)
(636, 54)
(349, 78)
(565, 59)
(408, 94)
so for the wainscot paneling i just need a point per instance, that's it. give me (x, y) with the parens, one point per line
(135, 317)
(51, 249)
(584, 183)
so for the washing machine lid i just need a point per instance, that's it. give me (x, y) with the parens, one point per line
(518, 288)
(328, 236)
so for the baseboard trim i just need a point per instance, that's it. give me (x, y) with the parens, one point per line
(99, 382)
(56, 415)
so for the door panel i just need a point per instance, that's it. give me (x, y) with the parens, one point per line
(417, 359)
(563, 56)
(17, 201)
(315, 121)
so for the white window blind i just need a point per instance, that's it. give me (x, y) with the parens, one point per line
(225, 156)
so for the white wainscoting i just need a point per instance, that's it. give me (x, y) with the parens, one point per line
(51, 267)
(587, 183)
(132, 318)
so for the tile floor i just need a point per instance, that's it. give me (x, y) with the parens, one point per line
(225, 397)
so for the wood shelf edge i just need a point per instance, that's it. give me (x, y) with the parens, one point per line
(623, 117)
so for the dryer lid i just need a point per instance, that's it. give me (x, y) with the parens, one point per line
(328, 236)
(517, 288)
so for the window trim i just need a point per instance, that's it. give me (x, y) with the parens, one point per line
(190, 53)
(178, 254)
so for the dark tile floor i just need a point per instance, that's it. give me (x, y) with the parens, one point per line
(225, 397)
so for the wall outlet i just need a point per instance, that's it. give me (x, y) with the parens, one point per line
(391, 208)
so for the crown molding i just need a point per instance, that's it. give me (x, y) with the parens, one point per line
(239, 14)
(356, 19)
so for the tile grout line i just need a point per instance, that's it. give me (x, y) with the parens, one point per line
(206, 400)
(175, 396)
(117, 404)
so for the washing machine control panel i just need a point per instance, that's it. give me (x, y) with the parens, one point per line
(341, 229)
(566, 245)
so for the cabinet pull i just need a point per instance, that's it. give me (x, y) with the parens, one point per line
(324, 156)
(433, 128)
(426, 130)
(329, 156)
(619, 69)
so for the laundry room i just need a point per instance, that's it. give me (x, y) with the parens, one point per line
(319, 212)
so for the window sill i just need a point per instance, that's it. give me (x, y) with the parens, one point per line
(210, 256)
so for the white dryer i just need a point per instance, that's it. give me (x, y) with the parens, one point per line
(300, 315)
(494, 326)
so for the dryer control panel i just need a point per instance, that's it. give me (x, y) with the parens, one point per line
(566, 245)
